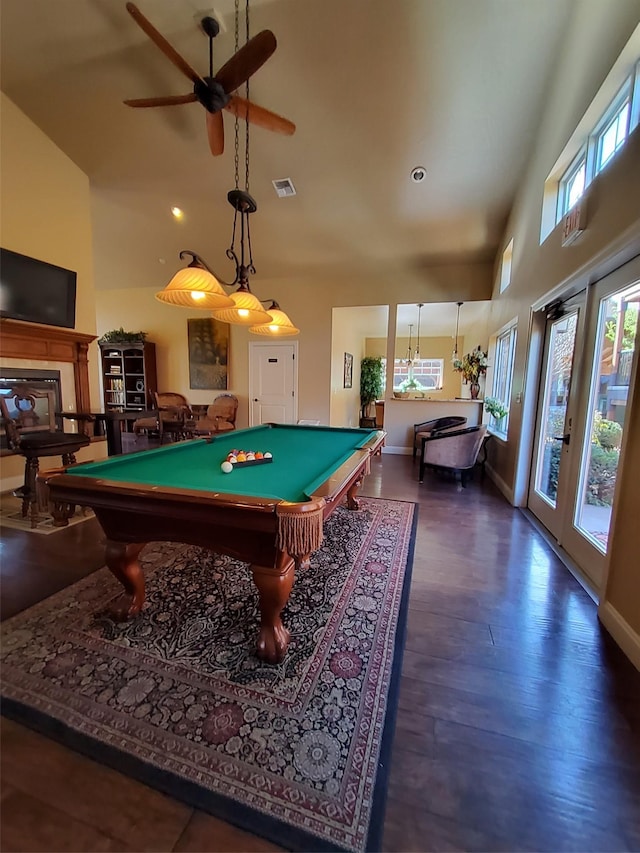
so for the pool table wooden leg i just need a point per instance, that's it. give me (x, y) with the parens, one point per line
(274, 585)
(122, 560)
(352, 503)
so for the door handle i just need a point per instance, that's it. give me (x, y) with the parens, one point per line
(566, 439)
(255, 400)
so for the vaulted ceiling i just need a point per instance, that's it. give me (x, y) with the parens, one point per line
(375, 87)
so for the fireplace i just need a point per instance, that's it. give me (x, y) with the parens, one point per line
(45, 343)
(40, 380)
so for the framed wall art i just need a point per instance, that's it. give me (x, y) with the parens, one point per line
(208, 354)
(348, 370)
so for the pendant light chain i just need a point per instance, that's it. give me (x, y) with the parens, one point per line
(246, 142)
(236, 123)
(246, 89)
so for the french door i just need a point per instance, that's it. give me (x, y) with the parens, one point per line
(549, 488)
(589, 363)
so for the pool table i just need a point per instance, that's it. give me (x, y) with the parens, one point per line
(269, 515)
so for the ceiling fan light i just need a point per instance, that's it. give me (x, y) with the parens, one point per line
(246, 311)
(279, 326)
(195, 287)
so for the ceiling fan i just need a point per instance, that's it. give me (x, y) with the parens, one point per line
(215, 92)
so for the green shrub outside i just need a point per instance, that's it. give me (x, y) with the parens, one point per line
(607, 434)
(603, 465)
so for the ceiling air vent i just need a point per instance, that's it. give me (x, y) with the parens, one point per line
(284, 187)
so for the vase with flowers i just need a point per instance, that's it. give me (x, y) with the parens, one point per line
(472, 366)
(498, 411)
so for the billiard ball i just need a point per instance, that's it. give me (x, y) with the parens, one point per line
(267, 455)
(227, 467)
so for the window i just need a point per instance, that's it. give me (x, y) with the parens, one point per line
(614, 131)
(503, 376)
(572, 185)
(600, 135)
(426, 372)
(505, 273)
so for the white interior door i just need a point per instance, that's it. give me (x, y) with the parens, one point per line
(273, 382)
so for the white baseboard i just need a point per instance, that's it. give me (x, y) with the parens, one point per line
(500, 483)
(397, 450)
(9, 484)
(621, 631)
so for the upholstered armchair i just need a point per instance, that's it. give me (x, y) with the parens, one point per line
(173, 413)
(220, 416)
(456, 450)
(31, 431)
(434, 426)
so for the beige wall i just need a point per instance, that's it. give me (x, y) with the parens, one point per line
(623, 585)
(137, 309)
(309, 304)
(348, 336)
(45, 214)
(612, 236)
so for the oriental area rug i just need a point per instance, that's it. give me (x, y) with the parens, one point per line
(297, 752)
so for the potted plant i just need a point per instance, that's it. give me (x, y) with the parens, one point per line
(496, 409)
(472, 366)
(370, 383)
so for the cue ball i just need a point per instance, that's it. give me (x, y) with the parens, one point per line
(227, 467)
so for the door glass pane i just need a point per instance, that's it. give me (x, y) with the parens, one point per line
(562, 337)
(615, 346)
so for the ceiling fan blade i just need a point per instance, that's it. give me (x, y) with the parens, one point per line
(215, 133)
(259, 116)
(161, 42)
(168, 101)
(246, 61)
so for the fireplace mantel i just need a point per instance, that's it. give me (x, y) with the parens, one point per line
(48, 343)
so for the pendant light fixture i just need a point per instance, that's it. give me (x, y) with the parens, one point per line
(409, 359)
(454, 357)
(417, 352)
(198, 286)
(278, 326)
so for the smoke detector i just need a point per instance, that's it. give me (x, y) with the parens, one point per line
(418, 174)
(284, 187)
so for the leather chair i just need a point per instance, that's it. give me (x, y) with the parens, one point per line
(31, 431)
(173, 419)
(456, 450)
(220, 416)
(434, 426)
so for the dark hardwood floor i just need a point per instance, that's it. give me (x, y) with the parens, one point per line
(519, 718)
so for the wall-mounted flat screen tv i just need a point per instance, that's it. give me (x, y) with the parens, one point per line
(35, 291)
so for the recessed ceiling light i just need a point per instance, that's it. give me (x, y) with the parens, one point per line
(418, 174)
(177, 212)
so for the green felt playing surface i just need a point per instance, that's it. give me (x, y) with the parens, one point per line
(303, 458)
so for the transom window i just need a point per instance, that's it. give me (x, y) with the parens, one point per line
(613, 135)
(572, 185)
(603, 143)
